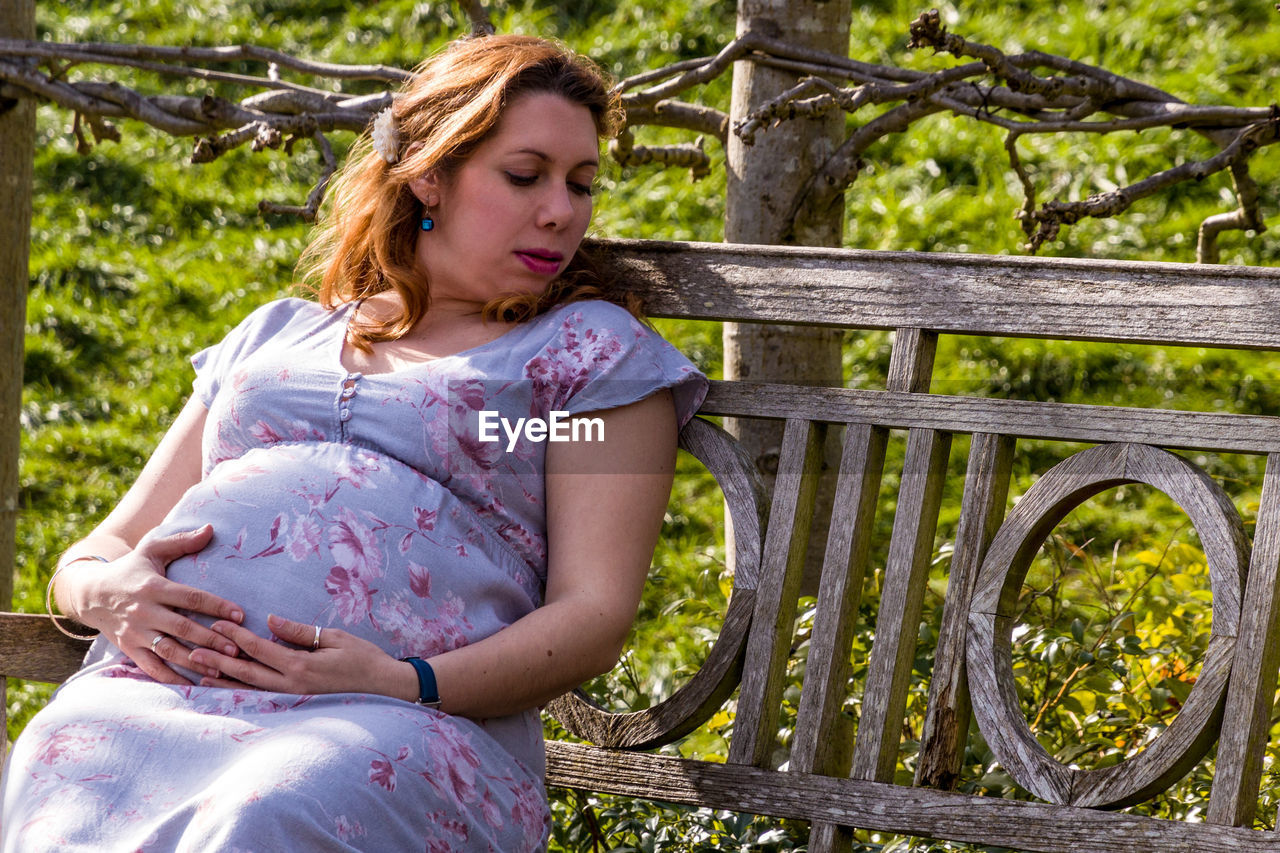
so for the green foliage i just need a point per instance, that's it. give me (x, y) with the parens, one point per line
(140, 258)
(584, 822)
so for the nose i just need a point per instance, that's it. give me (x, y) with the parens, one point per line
(555, 208)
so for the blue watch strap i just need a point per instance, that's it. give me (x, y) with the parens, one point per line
(428, 693)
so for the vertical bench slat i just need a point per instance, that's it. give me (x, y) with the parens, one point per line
(910, 369)
(875, 750)
(1251, 692)
(772, 624)
(911, 360)
(819, 746)
(946, 723)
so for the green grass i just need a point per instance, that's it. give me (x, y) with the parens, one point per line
(140, 258)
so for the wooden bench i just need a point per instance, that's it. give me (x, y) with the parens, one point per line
(837, 775)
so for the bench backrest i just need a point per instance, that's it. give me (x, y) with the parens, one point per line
(838, 777)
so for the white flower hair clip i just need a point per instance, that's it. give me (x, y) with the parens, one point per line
(386, 139)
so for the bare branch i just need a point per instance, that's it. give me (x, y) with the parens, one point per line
(113, 54)
(832, 65)
(683, 115)
(693, 157)
(927, 31)
(312, 207)
(478, 15)
(1052, 215)
(795, 103)
(843, 167)
(788, 106)
(1244, 218)
(1075, 97)
(1028, 208)
(695, 75)
(262, 119)
(646, 77)
(1086, 100)
(1188, 116)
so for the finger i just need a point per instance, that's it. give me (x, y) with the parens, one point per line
(243, 670)
(175, 545)
(167, 649)
(192, 633)
(195, 600)
(299, 633)
(155, 667)
(260, 649)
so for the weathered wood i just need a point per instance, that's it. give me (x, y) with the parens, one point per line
(704, 693)
(994, 693)
(1238, 766)
(772, 625)
(946, 723)
(911, 360)
(760, 208)
(910, 369)
(1020, 418)
(890, 808)
(796, 355)
(1064, 298)
(875, 752)
(31, 648)
(17, 158)
(820, 744)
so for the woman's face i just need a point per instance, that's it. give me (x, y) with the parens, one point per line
(511, 217)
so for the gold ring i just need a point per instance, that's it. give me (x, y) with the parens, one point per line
(156, 642)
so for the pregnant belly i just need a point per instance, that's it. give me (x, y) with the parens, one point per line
(342, 536)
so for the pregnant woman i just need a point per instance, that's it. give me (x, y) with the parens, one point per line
(371, 544)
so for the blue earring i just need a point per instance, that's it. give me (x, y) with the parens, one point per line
(428, 223)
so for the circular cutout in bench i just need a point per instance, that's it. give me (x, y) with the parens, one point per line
(704, 693)
(991, 621)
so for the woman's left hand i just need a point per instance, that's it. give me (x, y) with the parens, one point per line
(342, 663)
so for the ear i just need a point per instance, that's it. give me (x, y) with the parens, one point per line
(426, 188)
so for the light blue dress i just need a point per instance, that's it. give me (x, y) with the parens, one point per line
(367, 503)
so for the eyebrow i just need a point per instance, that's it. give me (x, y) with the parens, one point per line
(541, 155)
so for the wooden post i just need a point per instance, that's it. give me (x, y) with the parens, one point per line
(17, 151)
(763, 182)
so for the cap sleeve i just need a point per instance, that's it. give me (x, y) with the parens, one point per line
(602, 358)
(215, 364)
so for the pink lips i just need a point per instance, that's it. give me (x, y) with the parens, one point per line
(541, 261)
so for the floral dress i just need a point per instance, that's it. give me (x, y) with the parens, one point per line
(397, 507)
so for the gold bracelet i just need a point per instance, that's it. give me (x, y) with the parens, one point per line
(48, 596)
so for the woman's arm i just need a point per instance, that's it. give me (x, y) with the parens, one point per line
(605, 503)
(129, 599)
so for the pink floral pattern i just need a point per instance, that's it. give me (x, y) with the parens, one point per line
(365, 502)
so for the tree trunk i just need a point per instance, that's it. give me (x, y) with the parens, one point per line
(764, 181)
(763, 185)
(17, 152)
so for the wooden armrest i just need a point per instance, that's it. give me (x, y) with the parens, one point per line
(33, 649)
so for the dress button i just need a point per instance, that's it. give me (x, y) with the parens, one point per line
(348, 392)
(344, 414)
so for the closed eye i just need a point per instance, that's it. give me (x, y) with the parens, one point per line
(582, 189)
(521, 180)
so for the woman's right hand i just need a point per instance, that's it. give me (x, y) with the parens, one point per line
(131, 602)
